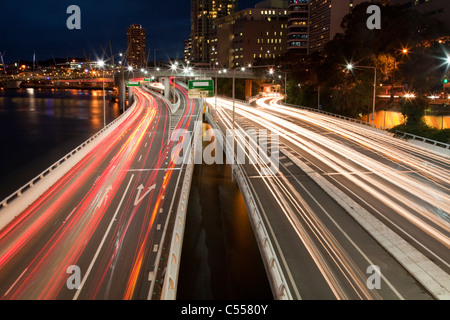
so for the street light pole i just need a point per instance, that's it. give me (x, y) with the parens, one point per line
(104, 100)
(350, 67)
(101, 64)
(234, 98)
(318, 97)
(215, 91)
(285, 87)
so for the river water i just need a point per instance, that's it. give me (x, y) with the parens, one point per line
(220, 257)
(40, 126)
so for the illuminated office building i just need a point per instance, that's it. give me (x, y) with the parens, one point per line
(136, 46)
(203, 14)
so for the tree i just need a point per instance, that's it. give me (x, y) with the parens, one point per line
(413, 112)
(380, 48)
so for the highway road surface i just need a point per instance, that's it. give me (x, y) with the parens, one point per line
(347, 199)
(109, 217)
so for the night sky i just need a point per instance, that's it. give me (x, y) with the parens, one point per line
(40, 26)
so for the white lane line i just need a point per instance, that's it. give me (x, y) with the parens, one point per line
(102, 242)
(140, 157)
(69, 215)
(15, 282)
(345, 234)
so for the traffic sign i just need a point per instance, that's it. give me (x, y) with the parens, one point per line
(201, 88)
(133, 84)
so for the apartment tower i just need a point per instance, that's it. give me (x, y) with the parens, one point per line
(136, 46)
(203, 14)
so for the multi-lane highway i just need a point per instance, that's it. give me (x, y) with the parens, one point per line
(348, 199)
(109, 217)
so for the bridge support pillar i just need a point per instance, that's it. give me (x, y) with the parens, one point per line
(248, 90)
(122, 95)
(130, 96)
(166, 82)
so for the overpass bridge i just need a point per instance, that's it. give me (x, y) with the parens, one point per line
(183, 74)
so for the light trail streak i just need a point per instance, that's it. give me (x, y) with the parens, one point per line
(324, 249)
(45, 274)
(414, 208)
(317, 146)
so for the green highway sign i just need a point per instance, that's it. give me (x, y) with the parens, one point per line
(133, 84)
(201, 88)
(147, 79)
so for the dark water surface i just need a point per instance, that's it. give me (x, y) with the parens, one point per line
(40, 126)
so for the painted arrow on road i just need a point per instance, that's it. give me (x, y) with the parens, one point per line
(138, 196)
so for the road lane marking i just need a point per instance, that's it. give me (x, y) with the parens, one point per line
(138, 195)
(102, 242)
(15, 282)
(69, 215)
(391, 286)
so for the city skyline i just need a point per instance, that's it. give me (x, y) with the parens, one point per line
(28, 25)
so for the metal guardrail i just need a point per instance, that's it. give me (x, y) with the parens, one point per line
(406, 135)
(173, 266)
(44, 173)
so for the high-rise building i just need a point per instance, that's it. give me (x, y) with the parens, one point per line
(136, 46)
(188, 49)
(203, 14)
(249, 34)
(325, 20)
(298, 26)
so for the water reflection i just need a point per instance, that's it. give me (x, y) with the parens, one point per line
(38, 127)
